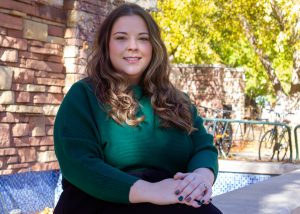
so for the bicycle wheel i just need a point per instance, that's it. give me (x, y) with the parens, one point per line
(266, 150)
(283, 146)
(226, 140)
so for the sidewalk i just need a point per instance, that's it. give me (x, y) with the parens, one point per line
(277, 195)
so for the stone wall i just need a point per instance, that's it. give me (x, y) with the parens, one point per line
(212, 86)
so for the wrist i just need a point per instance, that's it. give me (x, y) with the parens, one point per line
(208, 174)
(139, 192)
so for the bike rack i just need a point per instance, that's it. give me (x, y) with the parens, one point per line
(296, 140)
(255, 122)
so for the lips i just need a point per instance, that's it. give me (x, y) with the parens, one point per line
(132, 59)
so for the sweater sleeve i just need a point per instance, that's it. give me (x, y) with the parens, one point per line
(77, 142)
(205, 154)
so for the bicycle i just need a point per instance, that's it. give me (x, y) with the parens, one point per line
(275, 142)
(221, 131)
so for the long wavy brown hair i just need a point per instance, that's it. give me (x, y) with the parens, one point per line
(112, 89)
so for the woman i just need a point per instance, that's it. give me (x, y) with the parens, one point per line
(125, 138)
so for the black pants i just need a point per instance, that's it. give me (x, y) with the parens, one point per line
(75, 201)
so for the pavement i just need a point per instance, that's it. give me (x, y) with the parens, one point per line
(277, 195)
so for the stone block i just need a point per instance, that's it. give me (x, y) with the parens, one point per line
(56, 31)
(50, 121)
(6, 74)
(48, 98)
(74, 42)
(18, 6)
(8, 151)
(54, 58)
(51, 13)
(20, 130)
(71, 51)
(46, 156)
(25, 109)
(46, 51)
(37, 126)
(23, 97)
(44, 65)
(43, 148)
(11, 42)
(27, 155)
(35, 30)
(49, 130)
(7, 97)
(54, 89)
(47, 81)
(8, 55)
(49, 75)
(12, 159)
(22, 75)
(34, 141)
(50, 110)
(35, 88)
(4, 136)
(45, 166)
(35, 43)
(9, 21)
(75, 69)
(15, 33)
(56, 40)
(6, 172)
(7, 117)
(3, 31)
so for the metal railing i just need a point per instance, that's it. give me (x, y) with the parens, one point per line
(250, 131)
(296, 132)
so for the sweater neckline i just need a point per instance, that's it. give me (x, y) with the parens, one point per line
(137, 91)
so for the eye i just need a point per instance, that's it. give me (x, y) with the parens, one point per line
(120, 38)
(144, 38)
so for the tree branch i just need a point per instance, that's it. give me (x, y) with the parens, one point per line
(278, 15)
(264, 59)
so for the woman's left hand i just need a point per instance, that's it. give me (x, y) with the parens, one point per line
(195, 187)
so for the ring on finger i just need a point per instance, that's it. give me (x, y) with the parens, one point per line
(205, 186)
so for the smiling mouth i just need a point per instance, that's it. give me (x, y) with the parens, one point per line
(132, 59)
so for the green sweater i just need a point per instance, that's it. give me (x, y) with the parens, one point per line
(94, 152)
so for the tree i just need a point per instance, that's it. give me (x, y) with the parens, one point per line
(263, 36)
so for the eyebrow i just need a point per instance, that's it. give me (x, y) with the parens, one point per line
(143, 33)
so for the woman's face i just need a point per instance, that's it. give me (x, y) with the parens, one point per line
(130, 50)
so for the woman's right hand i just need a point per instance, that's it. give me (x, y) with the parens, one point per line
(160, 193)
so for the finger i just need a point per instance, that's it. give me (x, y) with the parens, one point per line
(207, 196)
(197, 194)
(180, 175)
(182, 184)
(186, 187)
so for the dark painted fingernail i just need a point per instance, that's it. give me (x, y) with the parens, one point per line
(202, 201)
(199, 203)
(177, 192)
(188, 199)
(180, 198)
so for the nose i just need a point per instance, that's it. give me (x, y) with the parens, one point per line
(132, 45)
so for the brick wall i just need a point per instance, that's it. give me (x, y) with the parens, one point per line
(43, 51)
(212, 86)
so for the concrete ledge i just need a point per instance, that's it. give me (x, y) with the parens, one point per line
(266, 168)
(277, 195)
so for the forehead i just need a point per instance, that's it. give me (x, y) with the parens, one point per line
(133, 23)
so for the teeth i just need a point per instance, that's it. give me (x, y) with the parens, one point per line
(131, 58)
